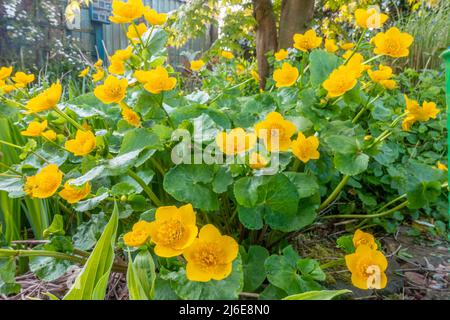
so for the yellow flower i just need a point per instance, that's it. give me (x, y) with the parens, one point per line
(392, 43)
(99, 75)
(84, 72)
(240, 69)
(173, 230)
(197, 64)
(416, 113)
(126, 12)
(383, 73)
(112, 90)
(35, 129)
(227, 54)
(255, 75)
(363, 238)
(49, 135)
(441, 166)
(45, 100)
(370, 18)
(307, 41)
(210, 256)
(236, 141)
(389, 84)
(45, 183)
(22, 79)
(355, 63)
(257, 161)
(347, 46)
(286, 76)
(139, 234)
(5, 72)
(6, 88)
(340, 81)
(330, 45)
(367, 267)
(130, 116)
(117, 66)
(281, 54)
(156, 80)
(83, 143)
(155, 18)
(123, 54)
(98, 64)
(73, 194)
(305, 148)
(135, 36)
(276, 132)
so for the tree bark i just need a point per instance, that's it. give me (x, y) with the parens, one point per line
(295, 17)
(266, 36)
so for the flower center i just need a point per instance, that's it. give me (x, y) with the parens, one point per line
(208, 257)
(170, 232)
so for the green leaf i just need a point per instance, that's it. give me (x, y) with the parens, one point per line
(246, 191)
(91, 203)
(317, 295)
(346, 243)
(141, 276)
(423, 194)
(226, 289)
(251, 218)
(306, 184)
(321, 64)
(311, 268)
(351, 164)
(48, 268)
(56, 228)
(92, 281)
(192, 184)
(253, 264)
(88, 232)
(12, 185)
(122, 188)
(222, 180)
(139, 139)
(8, 283)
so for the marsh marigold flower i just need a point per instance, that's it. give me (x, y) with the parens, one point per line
(117, 67)
(45, 183)
(304, 148)
(382, 76)
(130, 116)
(340, 81)
(98, 64)
(35, 129)
(414, 112)
(369, 18)
(286, 76)
(113, 90)
(139, 235)
(210, 256)
(255, 75)
(5, 72)
(347, 46)
(227, 54)
(307, 41)
(21, 79)
(6, 88)
(197, 64)
(257, 161)
(276, 132)
(441, 166)
(123, 54)
(281, 54)
(99, 75)
(330, 45)
(392, 43)
(368, 268)
(135, 32)
(49, 135)
(83, 73)
(126, 12)
(156, 80)
(73, 194)
(236, 141)
(355, 63)
(154, 18)
(45, 100)
(173, 230)
(83, 143)
(363, 238)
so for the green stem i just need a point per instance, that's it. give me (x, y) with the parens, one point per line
(295, 165)
(335, 193)
(161, 105)
(372, 59)
(230, 88)
(369, 216)
(145, 187)
(22, 148)
(65, 116)
(4, 165)
(332, 263)
(361, 112)
(357, 46)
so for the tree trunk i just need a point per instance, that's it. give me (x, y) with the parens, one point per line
(266, 36)
(295, 17)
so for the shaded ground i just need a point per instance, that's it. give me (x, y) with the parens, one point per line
(419, 268)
